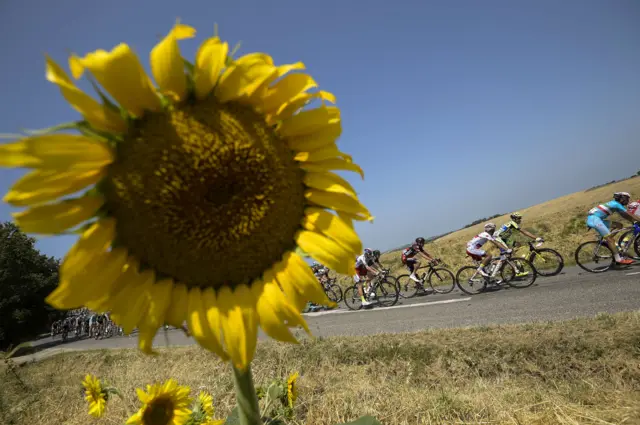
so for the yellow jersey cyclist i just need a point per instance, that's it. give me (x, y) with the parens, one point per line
(505, 234)
(597, 220)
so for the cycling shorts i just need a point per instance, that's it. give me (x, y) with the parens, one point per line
(476, 254)
(362, 271)
(600, 225)
(410, 263)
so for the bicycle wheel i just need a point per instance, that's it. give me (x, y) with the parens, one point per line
(386, 294)
(594, 257)
(632, 246)
(352, 299)
(470, 281)
(407, 287)
(441, 280)
(521, 272)
(547, 261)
(338, 292)
(332, 295)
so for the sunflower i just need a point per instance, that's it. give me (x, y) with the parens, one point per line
(203, 194)
(292, 389)
(166, 404)
(205, 403)
(94, 395)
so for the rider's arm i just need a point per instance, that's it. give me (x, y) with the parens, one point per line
(529, 234)
(426, 255)
(372, 269)
(628, 216)
(497, 242)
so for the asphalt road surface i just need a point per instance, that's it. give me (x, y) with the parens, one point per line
(574, 293)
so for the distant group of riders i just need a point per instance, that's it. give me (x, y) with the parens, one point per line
(83, 323)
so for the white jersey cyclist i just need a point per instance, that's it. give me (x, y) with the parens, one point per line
(474, 245)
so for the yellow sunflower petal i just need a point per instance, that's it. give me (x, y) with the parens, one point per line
(210, 304)
(317, 140)
(99, 116)
(199, 326)
(284, 90)
(159, 300)
(47, 185)
(329, 182)
(116, 271)
(167, 64)
(325, 152)
(322, 221)
(308, 122)
(298, 282)
(332, 164)
(210, 60)
(326, 251)
(131, 302)
(280, 71)
(51, 219)
(56, 152)
(93, 242)
(337, 202)
(239, 324)
(275, 313)
(122, 76)
(177, 311)
(244, 77)
(298, 102)
(97, 276)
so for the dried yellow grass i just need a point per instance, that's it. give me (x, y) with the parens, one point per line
(584, 371)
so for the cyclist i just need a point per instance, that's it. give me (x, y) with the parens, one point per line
(634, 209)
(597, 219)
(321, 272)
(412, 263)
(474, 247)
(365, 270)
(376, 259)
(505, 234)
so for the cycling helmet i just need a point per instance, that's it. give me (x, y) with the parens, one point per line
(489, 226)
(516, 216)
(376, 253)
(368, 252)
(420, 241)
(622, 197)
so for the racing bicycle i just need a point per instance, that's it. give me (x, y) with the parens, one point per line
(515, 272)
(547, 261)
(382, 292)
(597, 257)
(332, 289)
(440, 280)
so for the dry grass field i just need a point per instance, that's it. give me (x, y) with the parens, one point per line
(584, 371)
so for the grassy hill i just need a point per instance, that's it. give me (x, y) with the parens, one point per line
(560, 221)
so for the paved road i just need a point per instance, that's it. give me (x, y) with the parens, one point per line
(571, 294)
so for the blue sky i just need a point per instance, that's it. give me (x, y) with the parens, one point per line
(455, 109)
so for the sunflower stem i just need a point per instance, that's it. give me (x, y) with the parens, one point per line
(248, 408)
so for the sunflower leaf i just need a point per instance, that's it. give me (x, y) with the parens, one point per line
(274, 392)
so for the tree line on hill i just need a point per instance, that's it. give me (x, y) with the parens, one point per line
(26, 278)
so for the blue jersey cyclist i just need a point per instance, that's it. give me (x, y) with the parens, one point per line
(597, 219)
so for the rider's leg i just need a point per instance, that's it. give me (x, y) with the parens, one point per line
(413, 266)
(602, 227)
